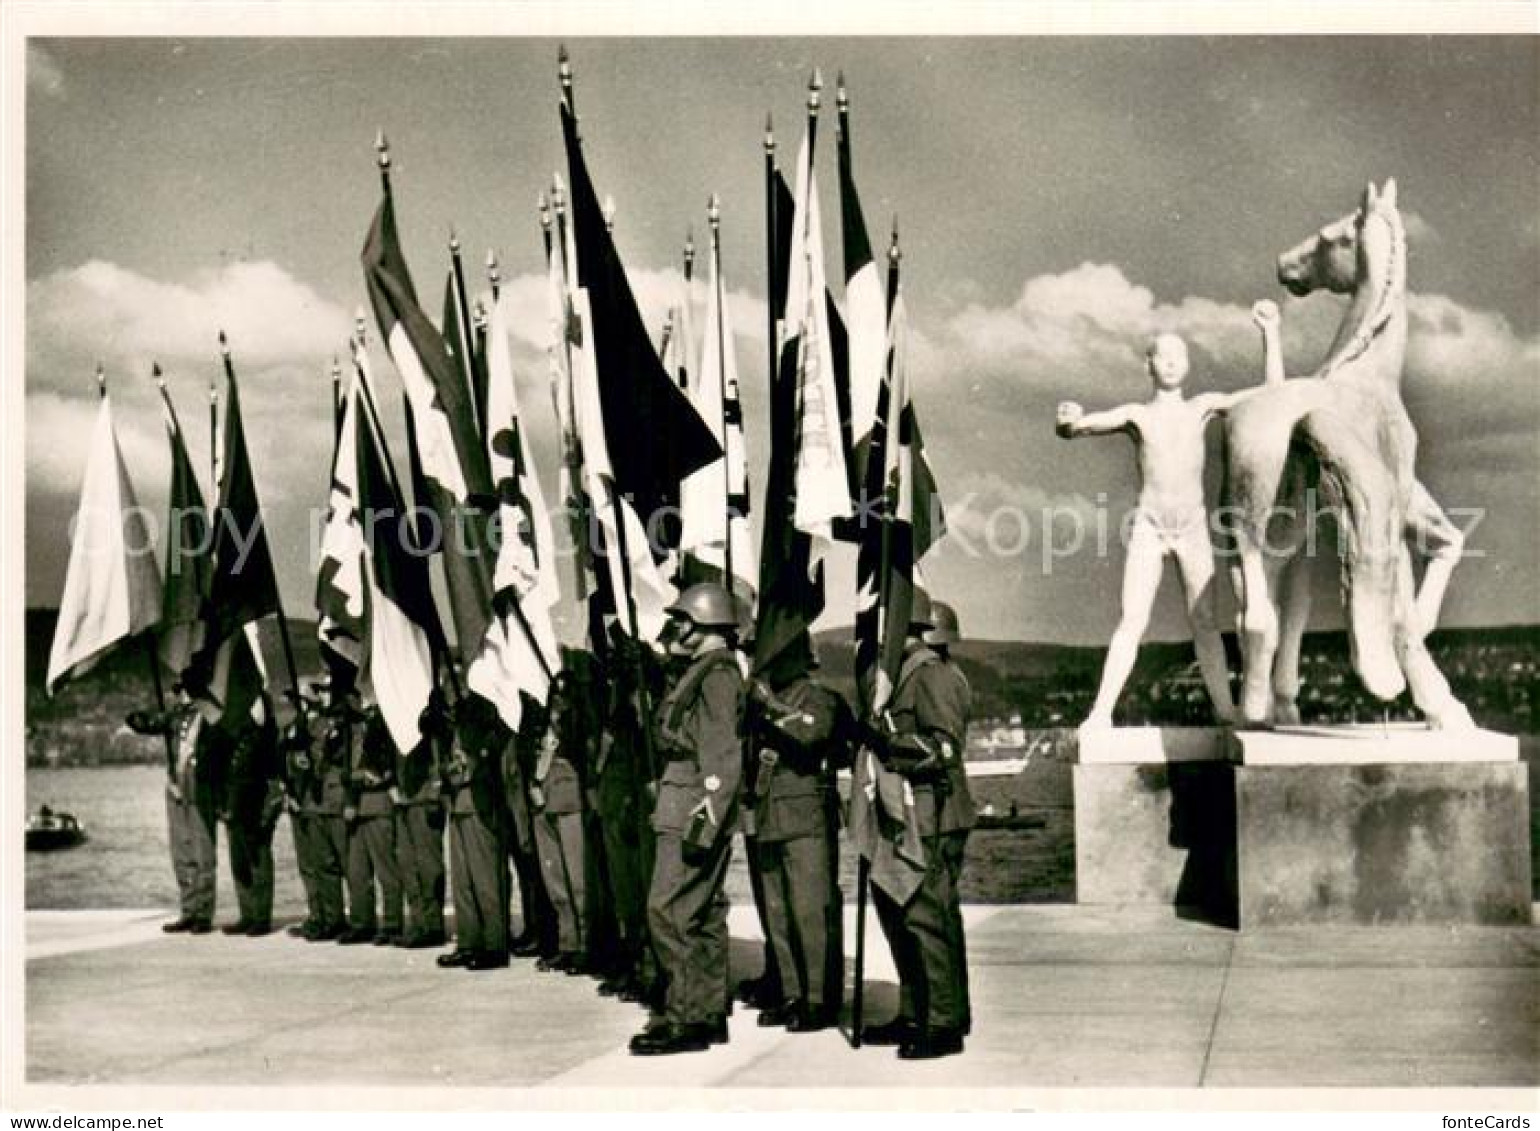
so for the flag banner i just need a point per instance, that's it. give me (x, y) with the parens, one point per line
(453, 459)
(452, 456)
(821, 487)
(885, 828)
(791, 591)
(521, 650)
(566, 336)
(112, 585)
(239, 676)
(715, 499)
(339, 598)
(188, 553)
(400, 615)
(653, 436)
(243, 586)
(866, 316)
(466, 355)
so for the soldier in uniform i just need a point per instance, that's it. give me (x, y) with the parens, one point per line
(923, 741)
(799, 738)
(299, 786)
(252, 803)
(371, 817)
(193, 787)
(698, 738)
(478, 841)
(556, 805)
(420, 844)
(520, 756)
(322, 812)
(622, 785)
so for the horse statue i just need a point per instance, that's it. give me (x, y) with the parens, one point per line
(1345, 431)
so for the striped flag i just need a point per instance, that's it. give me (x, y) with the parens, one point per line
(400, 614)
(865, 312)
(820, 483)
(112, 586)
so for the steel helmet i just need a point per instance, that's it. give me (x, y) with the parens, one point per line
(920, 612)
(944, 627)
(707, 605)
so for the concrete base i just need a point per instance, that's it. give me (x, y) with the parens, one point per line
(1145, 745)
(1369, 744)
(1382, 844)
(1157, 834)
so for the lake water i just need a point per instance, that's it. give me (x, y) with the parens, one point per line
(125, 863)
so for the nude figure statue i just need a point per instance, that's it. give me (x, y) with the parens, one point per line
(1171, 517)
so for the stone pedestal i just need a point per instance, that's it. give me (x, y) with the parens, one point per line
(1155, 819)
(1361, 825)
(1372, 826)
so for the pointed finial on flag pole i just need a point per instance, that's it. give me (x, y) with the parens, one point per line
(494, 274)
(336, 371)
(558, 196)
(894, 252)
(689, 253)
(564, 72)
(543, 203)
(359, 326)
(841, 96)
(769, 136)
(160, 378)
(101, 380)
(714, 216)
(480, 316)
(609, 213)
(814, 87)
(382, 157)
(454, 241)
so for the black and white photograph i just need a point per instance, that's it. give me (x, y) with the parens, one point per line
(636, 558)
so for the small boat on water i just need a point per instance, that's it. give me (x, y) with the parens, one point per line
(48, 830)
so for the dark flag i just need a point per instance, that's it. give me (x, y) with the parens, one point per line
(243, 586)
(655, 438)
(188, 555)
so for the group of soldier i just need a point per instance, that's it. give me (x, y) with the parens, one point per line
(614, 807)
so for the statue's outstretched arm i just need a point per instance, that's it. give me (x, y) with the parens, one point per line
(1074, 421)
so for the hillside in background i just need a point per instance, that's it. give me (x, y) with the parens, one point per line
(1496, 671)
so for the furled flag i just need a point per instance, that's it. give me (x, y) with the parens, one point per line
(865, 312)
(821, 484)
(339, 596)
(244, 585)
(188, 563)
(640, 435)
(715, 499)
(454, 462)
(521, 650)
(883, 823)
(791, 592)
(401, 618)
(112, 587)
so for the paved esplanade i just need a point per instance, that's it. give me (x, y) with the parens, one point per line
(1064, 997)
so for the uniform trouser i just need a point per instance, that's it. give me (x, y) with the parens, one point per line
(478, 871)
(193, 831)
(537, 918)
(628, 869)
(371, 861)
(420, 857)
(251, 867)
(599, 931)
(327, 837)
(926, 938)
(304, 859)
(754, 856)
(687, 915)
(559, 844)
(799, 888)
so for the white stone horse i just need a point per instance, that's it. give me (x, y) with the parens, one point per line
(1345, 430)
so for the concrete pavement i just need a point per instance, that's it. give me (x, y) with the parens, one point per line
(1065, 997)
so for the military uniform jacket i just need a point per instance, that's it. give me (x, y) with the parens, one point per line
(417, 774)
(199, 750)
(251, 783)
(698, 727)
(473, 778)
(930, 704)
(373, 769)
(333, 754)
(797, 757)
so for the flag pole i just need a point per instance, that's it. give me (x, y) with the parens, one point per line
(151, 655)
(283, 620)
(714, 217)
(467, 331)
(643, 693)
(336, 400)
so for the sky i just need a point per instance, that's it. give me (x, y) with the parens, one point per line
(1059, 201)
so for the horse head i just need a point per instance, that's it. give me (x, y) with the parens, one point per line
(1334, 258)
